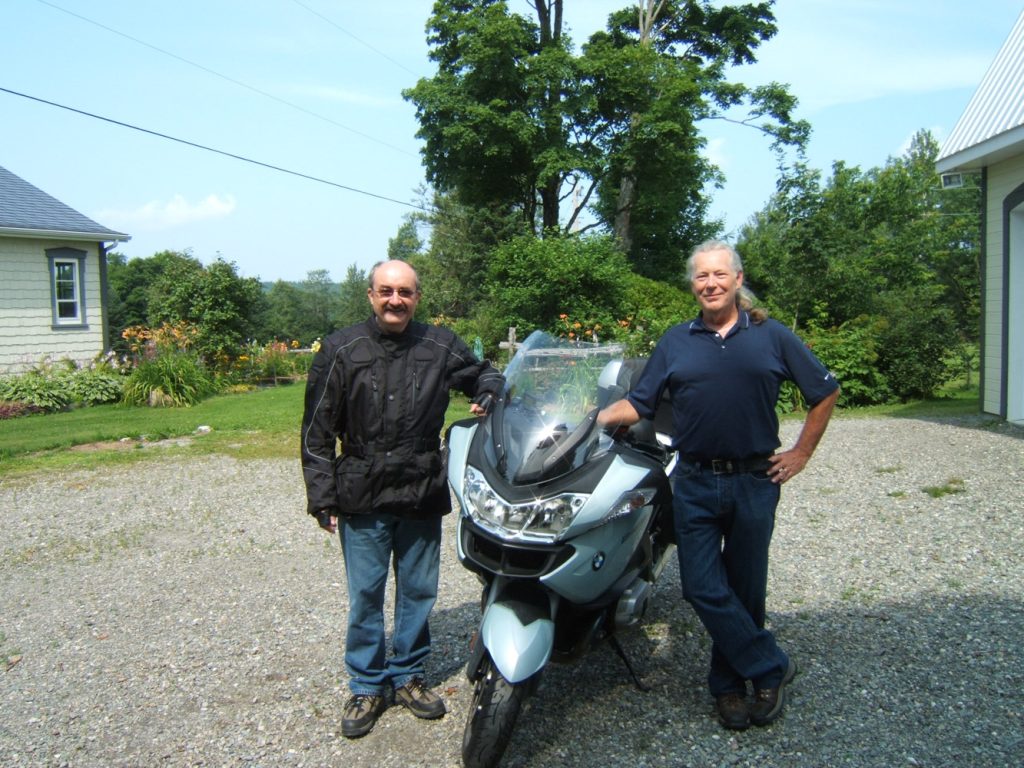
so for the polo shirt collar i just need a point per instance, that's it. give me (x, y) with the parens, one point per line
(742, 323)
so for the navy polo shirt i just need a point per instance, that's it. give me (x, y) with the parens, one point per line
(724, 390)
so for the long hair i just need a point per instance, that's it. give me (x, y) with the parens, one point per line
(744, 296)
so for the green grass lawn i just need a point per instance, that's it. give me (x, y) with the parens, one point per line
(259, 424)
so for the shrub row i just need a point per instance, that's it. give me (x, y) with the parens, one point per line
(167, 376)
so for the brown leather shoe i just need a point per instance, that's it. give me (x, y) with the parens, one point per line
(733, 712)
(361, 713)
(420, 700)
(769, 702)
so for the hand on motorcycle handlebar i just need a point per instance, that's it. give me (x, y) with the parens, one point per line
(481, 404)
(616, 431)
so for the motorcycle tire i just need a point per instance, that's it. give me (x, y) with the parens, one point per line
(495, 708)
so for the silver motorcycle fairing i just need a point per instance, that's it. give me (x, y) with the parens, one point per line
(602, 553)
(459, 436)
(518, 631)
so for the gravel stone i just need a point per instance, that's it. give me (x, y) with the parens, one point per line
(187, 612)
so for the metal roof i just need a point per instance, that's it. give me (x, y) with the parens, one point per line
(992, 126)
(27, 211)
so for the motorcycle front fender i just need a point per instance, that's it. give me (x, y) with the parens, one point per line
(519, 634)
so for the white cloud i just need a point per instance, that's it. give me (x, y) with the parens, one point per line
(157, 215)
(717, 152)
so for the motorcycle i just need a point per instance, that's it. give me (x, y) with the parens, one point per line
(566, 525)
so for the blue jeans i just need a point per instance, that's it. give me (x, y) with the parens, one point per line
(368, 543)
(724, 526)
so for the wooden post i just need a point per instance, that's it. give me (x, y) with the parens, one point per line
(511, 345)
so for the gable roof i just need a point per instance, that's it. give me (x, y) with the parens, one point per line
(992, 126)
(27, 211)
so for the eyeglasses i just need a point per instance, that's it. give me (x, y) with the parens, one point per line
(387, 293)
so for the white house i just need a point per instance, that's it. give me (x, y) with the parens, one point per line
(989, 140)
(53, 278)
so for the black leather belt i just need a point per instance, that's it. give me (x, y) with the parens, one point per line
(727, 466)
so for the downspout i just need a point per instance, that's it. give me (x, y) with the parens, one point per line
(104, 297)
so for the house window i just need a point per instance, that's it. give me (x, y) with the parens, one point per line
(67, 287)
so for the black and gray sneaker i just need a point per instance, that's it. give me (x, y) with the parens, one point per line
(361, 712)
(420, 700)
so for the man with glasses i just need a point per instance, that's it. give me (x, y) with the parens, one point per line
(381, 388)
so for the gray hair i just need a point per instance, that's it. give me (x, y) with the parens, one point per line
(744, 297)
(714, 245)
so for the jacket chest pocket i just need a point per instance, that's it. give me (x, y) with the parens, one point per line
(426, 369)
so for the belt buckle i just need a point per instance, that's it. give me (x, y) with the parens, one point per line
(722, 466)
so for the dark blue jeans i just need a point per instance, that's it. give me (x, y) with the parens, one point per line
(369, 542)
(724, 525)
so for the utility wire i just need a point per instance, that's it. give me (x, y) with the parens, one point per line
(231, 80)
(361, 42)
(214, 150)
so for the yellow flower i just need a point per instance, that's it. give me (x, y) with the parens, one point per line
(315, 346)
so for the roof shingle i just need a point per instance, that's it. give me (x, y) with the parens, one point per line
(25, 207)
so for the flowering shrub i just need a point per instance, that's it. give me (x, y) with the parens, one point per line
(172, 378)
(167, 372)
(270, 361)
(147, 343)
(578, 330)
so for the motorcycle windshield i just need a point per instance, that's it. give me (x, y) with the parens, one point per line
(544, 426)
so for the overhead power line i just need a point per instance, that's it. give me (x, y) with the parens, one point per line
(358, 40)
(231, 80)
(216, 151)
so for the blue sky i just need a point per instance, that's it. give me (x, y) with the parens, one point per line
(314, 87)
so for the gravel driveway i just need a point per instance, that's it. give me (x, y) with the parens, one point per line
(188, 613)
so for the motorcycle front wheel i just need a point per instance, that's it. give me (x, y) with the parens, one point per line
(495, 709)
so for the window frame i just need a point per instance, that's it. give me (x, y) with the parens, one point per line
(58, 257)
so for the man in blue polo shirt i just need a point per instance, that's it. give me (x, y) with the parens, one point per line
(723, 371)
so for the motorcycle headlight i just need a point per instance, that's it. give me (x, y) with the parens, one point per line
(539, 520)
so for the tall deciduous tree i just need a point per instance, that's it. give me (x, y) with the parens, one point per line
(515, 122)
(885, 251)
(223, 306)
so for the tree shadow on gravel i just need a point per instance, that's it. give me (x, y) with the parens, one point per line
(935, 681)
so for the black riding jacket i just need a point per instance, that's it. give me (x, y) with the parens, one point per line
(384, 396)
